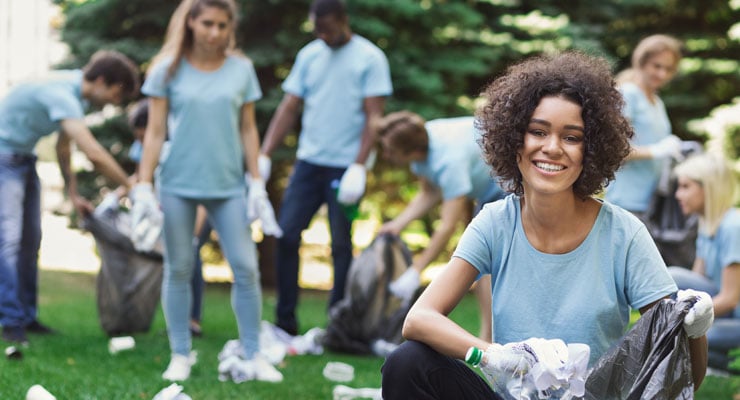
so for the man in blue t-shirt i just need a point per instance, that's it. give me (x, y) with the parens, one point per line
(30, 111)
(445, 156)
(340, 80)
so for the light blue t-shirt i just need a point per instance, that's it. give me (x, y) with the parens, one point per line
(722, 249)
(583, 296)
(454, 163)
(35, 109)
(635, 182)
(333, 84)
(206, 157)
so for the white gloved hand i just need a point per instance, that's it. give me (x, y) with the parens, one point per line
(405, 285)
(670, 146)
(699, 319)
(259, 207)
(535, 365)
(507, 360)
(264, 164)
(146, 217)
(109, 203)
(352, 184)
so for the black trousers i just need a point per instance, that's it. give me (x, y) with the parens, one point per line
(416, 371)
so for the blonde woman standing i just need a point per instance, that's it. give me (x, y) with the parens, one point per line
(202, 95)
(706, 187)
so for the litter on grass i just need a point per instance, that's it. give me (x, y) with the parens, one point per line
(118, 344)
(342, 392)
(172, 392)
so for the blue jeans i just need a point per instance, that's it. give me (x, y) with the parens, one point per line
(20, 239)
(229, 218)
(310, 186)
(198, 283)
(724, 335)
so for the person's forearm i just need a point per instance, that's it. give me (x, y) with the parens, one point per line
(723, 305)
(108, 166)
(366, 143)
(250, 140)
(251, 151)
(417, 207)
(374, 108)
(453, 212)
(441, 333)
(98, 156)
(149, 159)
(698, 350)
(281, 123)
(639, 153)
(64, 161)
(437, 244)
(428, 320)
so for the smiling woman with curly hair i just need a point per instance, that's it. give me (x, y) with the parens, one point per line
(581, 79)
(564, 265)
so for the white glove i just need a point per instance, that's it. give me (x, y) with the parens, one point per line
(670, 146)
(109, 203)
(264, 164)
(259, 207)
(506, 360)
(405, 285)
(146, 217)
(352, 184)
(700, 316)
(534, 365)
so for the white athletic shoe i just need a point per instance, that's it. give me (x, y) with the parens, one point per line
(239, 370)
(264, 370)
(179, 367)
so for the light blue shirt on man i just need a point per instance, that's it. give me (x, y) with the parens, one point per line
(35, 109)
(206, 156)
(583, 296)
(454, 162)
(333, 83)
(722, 249)
(636, 181)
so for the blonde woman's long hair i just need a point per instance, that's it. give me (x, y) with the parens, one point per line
(179, 39)
(647, 48)
(714, 174)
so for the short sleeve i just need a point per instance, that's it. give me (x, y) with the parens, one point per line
(647, 278)
(253, 91)
(377, 80)
(155, 84)
(62, 105)
(293, 84)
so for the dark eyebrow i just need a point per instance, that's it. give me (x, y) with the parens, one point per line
(547, 123)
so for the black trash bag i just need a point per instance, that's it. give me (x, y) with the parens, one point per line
(674, 233)
(368, 311)
(652, 360)
(129, 282)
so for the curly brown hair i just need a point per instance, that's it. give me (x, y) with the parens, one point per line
(585, 80)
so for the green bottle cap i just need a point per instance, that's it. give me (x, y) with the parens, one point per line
(474, 356)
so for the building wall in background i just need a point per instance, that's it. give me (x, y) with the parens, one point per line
(29, 43)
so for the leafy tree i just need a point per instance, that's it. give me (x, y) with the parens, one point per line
(442, 52)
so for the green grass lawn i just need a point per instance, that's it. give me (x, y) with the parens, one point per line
(75, 364)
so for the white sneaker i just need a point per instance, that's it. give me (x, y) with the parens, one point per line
(264, 370)
(179, 367)
(258, 369)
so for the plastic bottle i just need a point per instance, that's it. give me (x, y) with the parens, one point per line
(351, 211)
